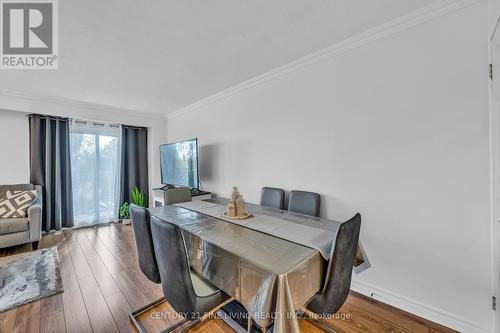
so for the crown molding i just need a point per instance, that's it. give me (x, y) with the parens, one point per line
(77, 104)
(426, 311)
(402, 23)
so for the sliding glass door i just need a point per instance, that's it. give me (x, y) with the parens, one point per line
(95, 172)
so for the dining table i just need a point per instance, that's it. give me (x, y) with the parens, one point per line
(272, 263)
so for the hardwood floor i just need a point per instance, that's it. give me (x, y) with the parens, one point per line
(103, 284)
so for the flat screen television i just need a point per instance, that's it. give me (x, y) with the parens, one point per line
(179, 163)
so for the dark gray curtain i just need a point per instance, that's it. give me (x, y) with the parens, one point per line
(50, 167)
(134, 162)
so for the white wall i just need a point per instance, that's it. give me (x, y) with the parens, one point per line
(493, 13)
(396, 129)
(14, 122)
(14, 148)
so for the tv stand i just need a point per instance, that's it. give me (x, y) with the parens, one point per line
(197, 191)
(160, 194)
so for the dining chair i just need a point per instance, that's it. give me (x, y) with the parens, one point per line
(146, 256)
(144, 242)
(303, 202)
(272, 197)
(338, 275)
(187, 292)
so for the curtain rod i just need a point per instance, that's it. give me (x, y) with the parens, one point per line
(95, 123)
(84, 121)
(47, 116)
(136, 127)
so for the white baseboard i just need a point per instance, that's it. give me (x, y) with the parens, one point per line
(422, 310)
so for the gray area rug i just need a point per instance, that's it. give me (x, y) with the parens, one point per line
(29, 277)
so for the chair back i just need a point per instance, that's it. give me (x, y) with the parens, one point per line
(173, 264)
(16, 187)
(144, 241)
(339, 272)
(177, 195)
(272, 197)
(303, 202)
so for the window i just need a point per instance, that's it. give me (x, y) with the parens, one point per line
(95, 167)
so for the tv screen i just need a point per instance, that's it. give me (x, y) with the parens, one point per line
(179, 163)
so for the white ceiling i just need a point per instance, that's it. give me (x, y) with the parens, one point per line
(158, 56)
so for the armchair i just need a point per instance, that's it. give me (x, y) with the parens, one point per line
(15, 231)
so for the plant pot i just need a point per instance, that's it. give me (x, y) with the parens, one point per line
(126, 221)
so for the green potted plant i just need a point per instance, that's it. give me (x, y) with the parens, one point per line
(137, 197)
(125, 213)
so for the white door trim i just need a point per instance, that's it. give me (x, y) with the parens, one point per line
(495, 278)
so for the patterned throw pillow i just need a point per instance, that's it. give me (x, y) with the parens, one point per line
(16, 203)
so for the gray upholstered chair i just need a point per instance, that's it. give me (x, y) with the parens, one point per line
(186, 292)
(15, 231)
(141, 223)
(144, 241)
(303, 202)
(272, 197)
(338, 274)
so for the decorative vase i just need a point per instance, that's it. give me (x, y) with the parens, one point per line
(240, 206)
(235, 194)
(231, 209)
